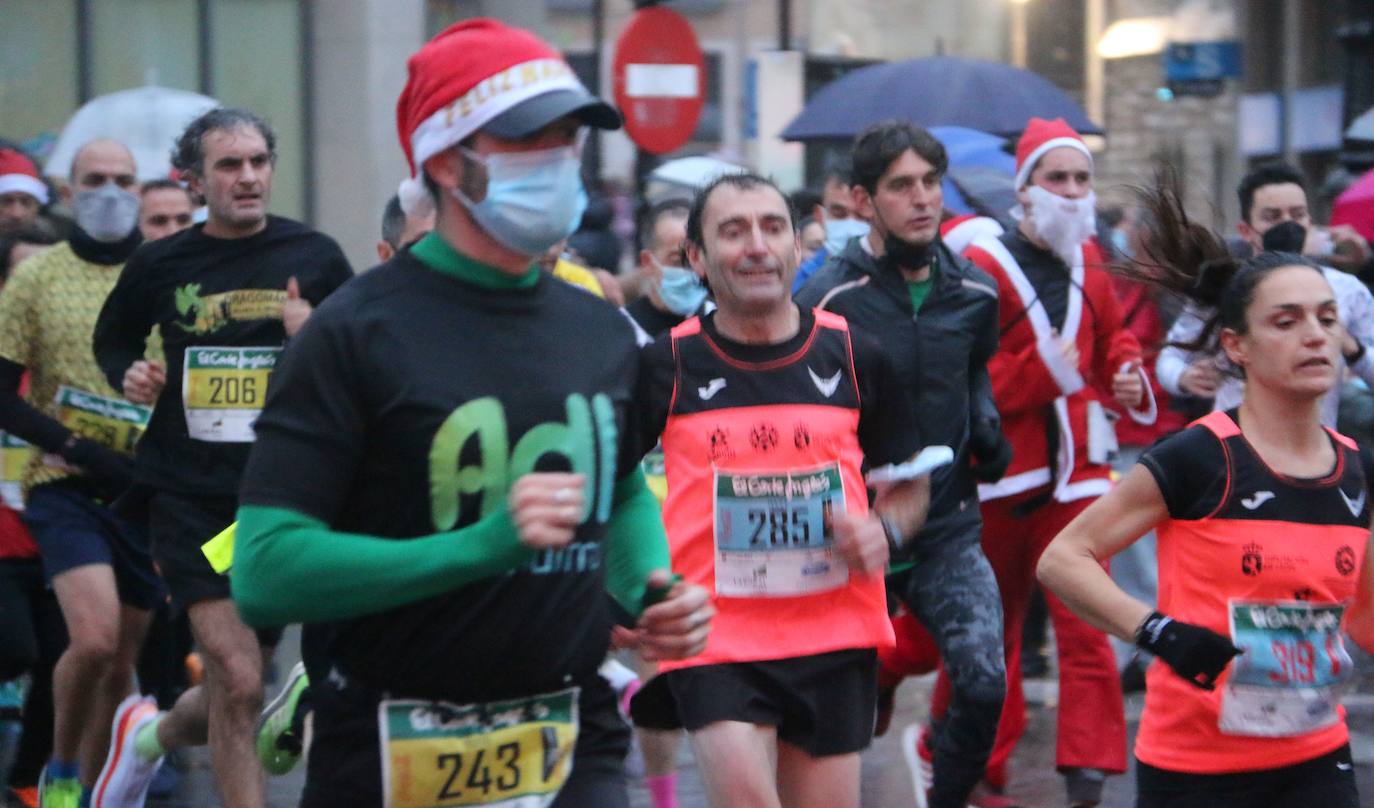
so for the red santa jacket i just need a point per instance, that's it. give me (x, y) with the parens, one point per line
(1031, 382)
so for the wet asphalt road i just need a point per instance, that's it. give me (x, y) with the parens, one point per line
(886, 780)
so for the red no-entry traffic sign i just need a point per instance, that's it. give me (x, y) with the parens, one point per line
(659, 78)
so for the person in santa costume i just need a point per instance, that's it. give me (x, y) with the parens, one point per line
(22, 193)
(1063, 341)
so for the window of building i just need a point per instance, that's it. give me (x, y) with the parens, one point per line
(246, 53)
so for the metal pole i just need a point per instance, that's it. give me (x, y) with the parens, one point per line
(1018, 33)
(784, 24)
(1292, 26)
(593, 153)
(1096, 79)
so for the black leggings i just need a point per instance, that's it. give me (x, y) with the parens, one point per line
(32, 637)
(1327, 781)
(953, 592)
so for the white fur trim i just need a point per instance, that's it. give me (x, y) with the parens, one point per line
(970, 230)
(488, 99)
(1015, 484)
(23, 183)
(1092, 487)
(1149, 412)
(1068, 378)
(1023, 171)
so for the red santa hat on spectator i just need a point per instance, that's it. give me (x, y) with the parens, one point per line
(18, 174)
(482, 74)
(1039, 138)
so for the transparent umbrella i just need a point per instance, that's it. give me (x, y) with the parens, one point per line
(147, 119)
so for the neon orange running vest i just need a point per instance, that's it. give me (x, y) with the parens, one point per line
(758, 456)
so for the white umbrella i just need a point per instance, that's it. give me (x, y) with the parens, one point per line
(687, 175)
(147, 119)
(1362, 128)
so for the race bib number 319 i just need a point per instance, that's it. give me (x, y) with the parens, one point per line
(223, 390)
(512, 754)
(1289, 679)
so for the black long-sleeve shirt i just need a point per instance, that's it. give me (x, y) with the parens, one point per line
(203, 292)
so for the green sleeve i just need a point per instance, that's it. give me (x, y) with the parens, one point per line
(635, 542)
(291, 568)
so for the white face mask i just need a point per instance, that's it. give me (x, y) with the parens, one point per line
(1062, 223)
(108, 213)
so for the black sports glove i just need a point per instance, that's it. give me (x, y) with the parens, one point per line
(111, 472)
(990, 463)
(1197, 654)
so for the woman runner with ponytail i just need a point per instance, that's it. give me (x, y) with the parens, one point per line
(1263, 520)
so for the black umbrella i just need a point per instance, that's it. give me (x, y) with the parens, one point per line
(936, 91)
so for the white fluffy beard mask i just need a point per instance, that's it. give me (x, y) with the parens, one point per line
(1060, 222)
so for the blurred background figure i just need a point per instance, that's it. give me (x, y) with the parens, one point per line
(165, 207)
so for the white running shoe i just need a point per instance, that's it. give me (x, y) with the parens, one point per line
(124, 780)
(922, 770)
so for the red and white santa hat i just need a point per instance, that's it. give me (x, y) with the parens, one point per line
(1040, 137)
(482, 74)
(18, 174)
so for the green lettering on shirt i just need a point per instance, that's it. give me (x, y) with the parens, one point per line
(586, 439)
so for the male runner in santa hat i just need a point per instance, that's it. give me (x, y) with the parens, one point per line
(1062, 342)
(22, 193)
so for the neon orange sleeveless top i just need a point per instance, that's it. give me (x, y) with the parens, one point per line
(758, 457)
(1273, 543)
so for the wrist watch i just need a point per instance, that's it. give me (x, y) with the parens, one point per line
(896, 542)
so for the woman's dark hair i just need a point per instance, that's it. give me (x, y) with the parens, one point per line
(1187, 259)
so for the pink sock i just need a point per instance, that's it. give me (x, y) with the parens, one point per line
(663, 790)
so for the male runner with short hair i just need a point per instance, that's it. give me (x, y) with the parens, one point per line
(937, 317)
(400, 230)
(225, 295)
(442, 471)
(165, 208)
(97, 563)
(767, 413)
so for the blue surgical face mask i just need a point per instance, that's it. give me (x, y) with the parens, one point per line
(838, 232)
(534, 199)
(680, 290)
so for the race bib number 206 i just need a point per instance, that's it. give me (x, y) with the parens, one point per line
(223, 391)
(512, 754)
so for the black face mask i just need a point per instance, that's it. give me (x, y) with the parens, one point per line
(905, 254)
(1286, 237)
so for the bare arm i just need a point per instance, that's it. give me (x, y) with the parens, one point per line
(1072, 565)
(1360, 619)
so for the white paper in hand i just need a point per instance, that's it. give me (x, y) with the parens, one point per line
(929, 459)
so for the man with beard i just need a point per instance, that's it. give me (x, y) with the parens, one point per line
(98, 564)
(1062, 341)
(936, 315)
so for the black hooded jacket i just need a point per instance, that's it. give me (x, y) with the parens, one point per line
(942, 352)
